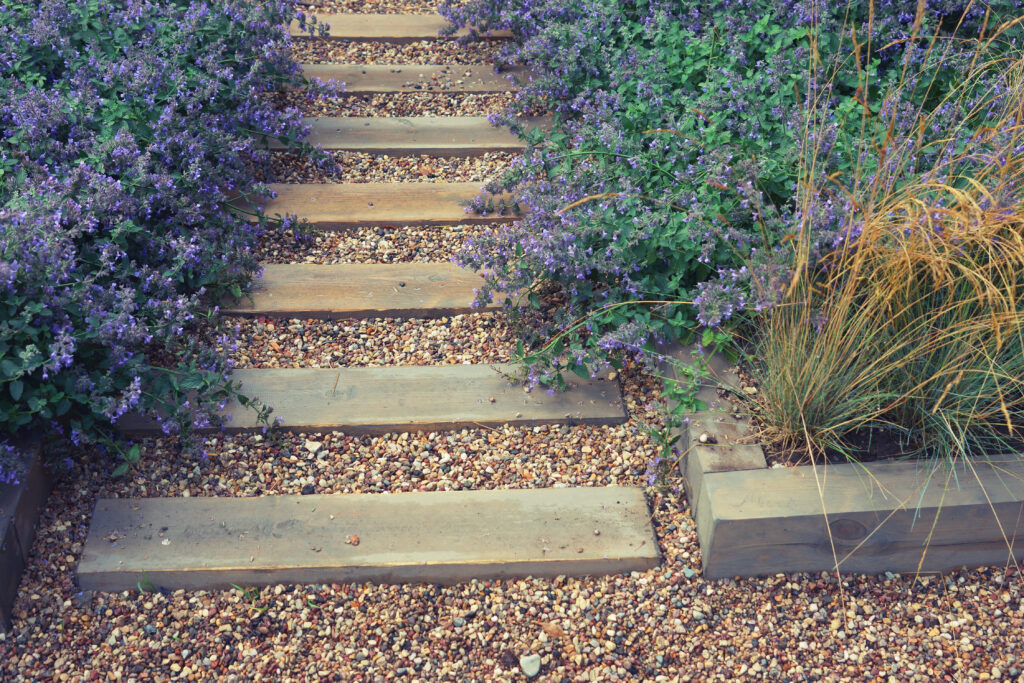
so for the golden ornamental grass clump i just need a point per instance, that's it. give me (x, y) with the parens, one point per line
(913, 325)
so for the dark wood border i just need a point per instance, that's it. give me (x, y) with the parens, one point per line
(20, 507)
(753, 520)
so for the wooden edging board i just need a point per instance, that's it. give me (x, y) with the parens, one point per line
(360, 290)
(443, 537)
(377, 79)
(343, 206)
(395, 136)
(20, 507)
(377, 400)
(753, 520)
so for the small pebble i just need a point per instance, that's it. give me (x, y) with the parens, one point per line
(530, 664)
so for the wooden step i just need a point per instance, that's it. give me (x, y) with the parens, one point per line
(442, 136)
(340, 206)
(386, 28)
(369, 79)
(443, 537)
(409, 398)
(411, 290)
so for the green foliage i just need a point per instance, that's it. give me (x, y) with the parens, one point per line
(664, 198)
(127, 129)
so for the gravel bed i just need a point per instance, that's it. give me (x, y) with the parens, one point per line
(358, 167)
(398, 104)
(666, 624)
(319, 50)
(401, 244)
(371, 7)
(283, 343)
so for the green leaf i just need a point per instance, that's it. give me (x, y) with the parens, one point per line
(9, 368)
(195, 381)
(581, 371)
(120, 470)
(16, 388)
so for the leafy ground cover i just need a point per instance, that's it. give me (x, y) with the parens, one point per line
(127, 126)
(709, 157)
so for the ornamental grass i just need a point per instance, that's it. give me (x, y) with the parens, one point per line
(912, 325)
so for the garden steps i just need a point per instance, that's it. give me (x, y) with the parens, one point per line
(377, 400)
(387, 28)
(375, 79)
(340, 206)
(364, 290)
(441, 136)
(439, 537)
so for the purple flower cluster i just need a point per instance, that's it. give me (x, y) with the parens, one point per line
(667, 194)
(128, 127)
(12, 464)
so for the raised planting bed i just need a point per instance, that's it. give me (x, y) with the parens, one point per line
(754, 520)
(20, 506)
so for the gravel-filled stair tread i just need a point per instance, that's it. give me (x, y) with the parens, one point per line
(461, 135)
(443, 537)
(362, 79)
(359, 291)
(380, 400)
(391, 28)
(347, 205)
(385, 105)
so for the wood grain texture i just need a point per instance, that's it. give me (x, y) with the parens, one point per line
(340, 206)
(389, 399)
(20, 507)
(371, 79)
(386, 28)
(437, 537)
(773, 520)
(304, 290)
(447, 136)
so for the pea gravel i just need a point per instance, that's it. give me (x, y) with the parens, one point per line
(400, 244)
(398, 104)
(371, 7)
(318, 51)
(667, 624)
(358, 167)
(282, 342)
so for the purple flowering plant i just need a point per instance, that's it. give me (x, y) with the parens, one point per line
(662, 204)
(128, 125)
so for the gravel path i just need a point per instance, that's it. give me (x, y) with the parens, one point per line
(666, 624)
(282, 343)
(371, 6)
(358, 167)
(401, 244)
(399, 104)
(318, 50)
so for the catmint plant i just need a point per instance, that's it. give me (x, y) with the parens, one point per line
(128, 128)
(665, 199)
